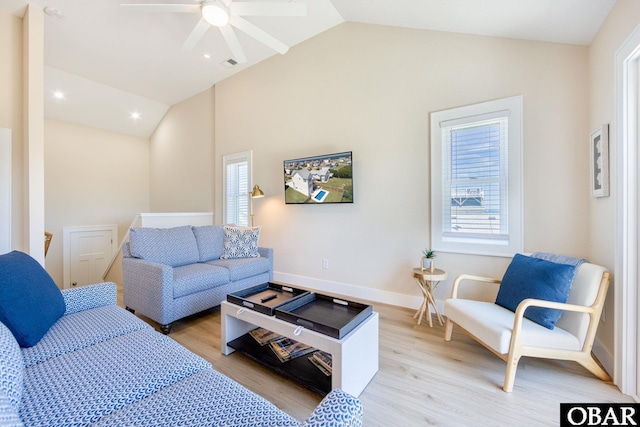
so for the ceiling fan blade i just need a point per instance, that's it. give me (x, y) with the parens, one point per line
(234, 44)
(267, 9)
(196, 34)
(258, 34)
(179, 8)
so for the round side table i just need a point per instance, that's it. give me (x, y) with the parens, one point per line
(428, 283)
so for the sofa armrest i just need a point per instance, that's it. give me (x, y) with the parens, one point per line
(337, 409)
(267, 253)
(148, 288)
(90, 296)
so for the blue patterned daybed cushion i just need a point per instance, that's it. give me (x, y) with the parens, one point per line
(101, 365)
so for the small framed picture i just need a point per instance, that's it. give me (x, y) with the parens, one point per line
(600, 162)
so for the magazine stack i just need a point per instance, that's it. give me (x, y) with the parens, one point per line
(283, 347)
(322, 361)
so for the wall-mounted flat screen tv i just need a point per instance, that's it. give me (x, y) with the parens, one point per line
(319, 179)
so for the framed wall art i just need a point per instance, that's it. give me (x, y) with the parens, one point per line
(599, 146)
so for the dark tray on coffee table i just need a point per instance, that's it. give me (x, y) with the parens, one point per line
(331, 316)
(265, 298)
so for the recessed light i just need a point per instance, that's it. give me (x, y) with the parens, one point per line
(206, 56)
(135, 115)
(58, 94)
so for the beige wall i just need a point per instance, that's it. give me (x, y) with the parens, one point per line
(92, 177)
(181, 155)
(622, 20)
(370, 89)
(11, 114)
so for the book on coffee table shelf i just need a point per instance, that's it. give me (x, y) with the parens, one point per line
(287, 349)
(264, 336)
(322, 361)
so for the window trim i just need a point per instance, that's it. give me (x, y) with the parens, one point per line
(231, 159)
(470, 114)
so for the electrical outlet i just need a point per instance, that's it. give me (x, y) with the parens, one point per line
(325, 263)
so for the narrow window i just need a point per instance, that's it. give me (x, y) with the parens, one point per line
(476, 160)
(237, 177)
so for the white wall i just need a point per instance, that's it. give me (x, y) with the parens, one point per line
(623, 19)
(11, 115)
(370, 89)
(181, 155)
(33, 60)
(92, 177)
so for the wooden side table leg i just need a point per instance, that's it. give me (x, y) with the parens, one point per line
(435, 308)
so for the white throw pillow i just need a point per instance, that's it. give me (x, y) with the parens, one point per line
(240, 242)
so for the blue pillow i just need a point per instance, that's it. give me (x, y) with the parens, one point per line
(30, 302)
(528, 277)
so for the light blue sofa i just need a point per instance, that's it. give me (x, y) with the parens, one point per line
(99, 365)
(171, 273)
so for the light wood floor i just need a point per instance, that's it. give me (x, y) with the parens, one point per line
(422, 380)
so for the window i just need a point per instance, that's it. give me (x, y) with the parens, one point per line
(476, 182)
(236, 180)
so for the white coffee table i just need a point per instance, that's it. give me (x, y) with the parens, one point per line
(355, 356)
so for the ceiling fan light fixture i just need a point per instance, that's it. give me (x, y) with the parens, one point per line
(215, 13)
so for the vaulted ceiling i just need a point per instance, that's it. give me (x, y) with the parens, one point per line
(110, 61)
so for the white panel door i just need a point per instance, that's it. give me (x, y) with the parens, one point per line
(88, 252)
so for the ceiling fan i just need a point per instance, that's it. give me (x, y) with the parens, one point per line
(226, 14)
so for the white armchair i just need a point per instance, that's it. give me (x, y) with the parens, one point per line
(510, 335)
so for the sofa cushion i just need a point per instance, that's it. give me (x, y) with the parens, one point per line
(493, 325)
(8, 416)
(30, 302)
(210, 239)
(241, 268)
(81, 387)
(240, 242)
(207, 398)
(82, 329)
(11, 368)
(170, 246)
(189, 279)
(528, 277)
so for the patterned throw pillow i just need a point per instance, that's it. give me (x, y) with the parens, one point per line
(240, 242)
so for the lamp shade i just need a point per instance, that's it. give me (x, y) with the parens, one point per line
(257, 192)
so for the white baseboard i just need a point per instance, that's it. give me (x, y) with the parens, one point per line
(348, 290)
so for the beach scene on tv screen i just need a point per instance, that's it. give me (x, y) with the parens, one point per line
(319, 179)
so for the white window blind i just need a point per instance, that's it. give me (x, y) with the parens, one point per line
(237, 177)
(476, 178)
(475, 172)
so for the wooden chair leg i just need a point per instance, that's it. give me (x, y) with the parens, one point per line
(594, 367)
(510, 374)
(448, 330)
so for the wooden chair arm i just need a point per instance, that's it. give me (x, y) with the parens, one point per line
(460, 278)
(532, 302)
